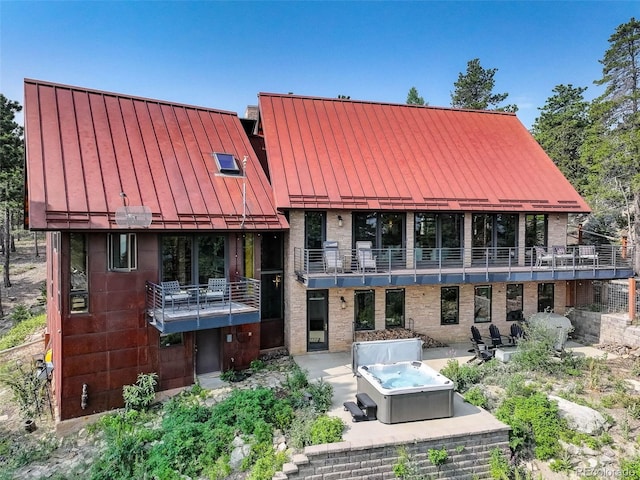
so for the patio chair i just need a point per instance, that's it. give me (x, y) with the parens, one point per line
(366, 259)
(476, 338)
(172, 292)
(587, 253)
(496, 337)
(561, 254)
(517, 333)
(331, 257)
(480, 355)
(216, 288)
(542, 256)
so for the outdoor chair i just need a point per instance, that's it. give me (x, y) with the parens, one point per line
(517, 333)
(542, 256)
(476, 338)
(588, 254)
(561, 254)
(480, 355)
(331, 257)
(496, 337)
(216, 289)
(172, 292)
(366, 259)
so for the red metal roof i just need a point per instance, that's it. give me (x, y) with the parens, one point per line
(345, 154)
(85, 147)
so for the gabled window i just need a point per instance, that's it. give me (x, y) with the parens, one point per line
(122, 251)
(227, 163)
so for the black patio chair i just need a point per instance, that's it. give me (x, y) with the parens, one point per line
(480, 354)
(496, 337)
(517, 333)
(476, 338)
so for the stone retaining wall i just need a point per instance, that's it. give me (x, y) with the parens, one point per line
(616, 328)
(468, 458)
(587, 326)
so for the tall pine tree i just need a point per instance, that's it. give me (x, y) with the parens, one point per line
(474, 89)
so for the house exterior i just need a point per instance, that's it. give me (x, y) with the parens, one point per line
(465, 214)
(183, 240)
(133, 192)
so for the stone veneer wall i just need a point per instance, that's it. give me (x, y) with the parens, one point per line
(468, 458)
(617, 328)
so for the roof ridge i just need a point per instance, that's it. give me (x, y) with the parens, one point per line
(381, 103)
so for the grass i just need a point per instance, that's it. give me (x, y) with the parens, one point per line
(21, 331)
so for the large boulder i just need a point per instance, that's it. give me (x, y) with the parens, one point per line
(580, 418)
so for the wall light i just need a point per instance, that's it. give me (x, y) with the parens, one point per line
(343, 303)
(339, 220)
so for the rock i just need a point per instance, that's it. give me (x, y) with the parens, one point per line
(239, 453)
(580, 418)
(633, 383)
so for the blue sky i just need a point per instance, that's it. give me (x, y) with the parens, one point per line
(221, 54)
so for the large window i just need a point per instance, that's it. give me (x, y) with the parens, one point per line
(192, 258)
(449, 305)
(314, 229)
(535, 232)
(78, 261)
(545, 297)
(438, 236)
(494, 236)
(386, 232)
(122, 252)
(515, 301)
(394, 308)
(482, 304)
(365, 318)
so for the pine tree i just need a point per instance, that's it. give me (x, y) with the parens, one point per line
(414, 98)
(474, 89)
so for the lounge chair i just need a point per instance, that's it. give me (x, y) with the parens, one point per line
(496, 337)
(542, 256)
(588, 254)
(476, 338)
(331, 257)
(366, 259)
(517, 333)
(561, 254)
(480, 355)
(172, 292)
(216, 289)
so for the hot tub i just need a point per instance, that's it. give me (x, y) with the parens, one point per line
(405, 390)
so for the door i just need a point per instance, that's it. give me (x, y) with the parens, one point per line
(272, 291)
(207, 351)
(317, 320)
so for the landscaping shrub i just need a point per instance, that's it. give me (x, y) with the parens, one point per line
(463, 375)
(536, 351)
(140, 395)
(475, 396)
(321, 394)
(326, 429)
(22, 330)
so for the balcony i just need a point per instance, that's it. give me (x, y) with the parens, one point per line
(430, 266)
(191, 309)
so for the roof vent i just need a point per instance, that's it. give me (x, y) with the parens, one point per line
(133, 216)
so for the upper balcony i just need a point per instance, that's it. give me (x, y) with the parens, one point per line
(428, 266)
(199, 307)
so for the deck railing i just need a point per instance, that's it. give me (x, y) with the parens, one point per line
(402, 260)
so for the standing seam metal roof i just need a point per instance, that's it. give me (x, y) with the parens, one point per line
(347, 154)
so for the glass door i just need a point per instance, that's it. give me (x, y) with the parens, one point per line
(317, 320)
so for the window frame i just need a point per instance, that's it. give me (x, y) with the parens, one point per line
(131, 252)
(541, 287)
(509, 314)
(485, 292)
(457, 306)
(387, 306)
(235, 170)
(357, 325)
(77, 291)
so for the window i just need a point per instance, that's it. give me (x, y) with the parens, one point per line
(394, 308)
(171, 339)
(449, 305)
(314, 230)
(364, 310)
(386, 232)
(482, 304)
(79, 295)
(227, 163)
(122, 251)
(494, 235)
(515, 306)
(192, 259)
(535, 232)
(545, 297)
(439, 236)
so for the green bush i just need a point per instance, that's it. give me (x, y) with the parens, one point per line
(20, 331)
(463, 375)
(535, 423)
(141, 394)
(321, 394)
(631, 468)
(299, 432)
(536, 351)
(326, 429)
(499, 465)
(437, 456)
(475, 396)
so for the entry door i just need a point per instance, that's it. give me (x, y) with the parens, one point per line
(317, 320)
(207, 351)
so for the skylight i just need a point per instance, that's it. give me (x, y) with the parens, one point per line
(227, 163)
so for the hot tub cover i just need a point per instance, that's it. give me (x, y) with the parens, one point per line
(385, 351)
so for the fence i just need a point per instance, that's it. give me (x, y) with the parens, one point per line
(608, 297)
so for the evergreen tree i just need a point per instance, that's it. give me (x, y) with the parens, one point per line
(413, 98)
(560, 130)
(612, 147)
(474, 89)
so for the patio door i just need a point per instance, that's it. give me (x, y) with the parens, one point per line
(317, 320)
(272, 291)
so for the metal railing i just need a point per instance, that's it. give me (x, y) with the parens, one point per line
(193, 299)
(398, 260)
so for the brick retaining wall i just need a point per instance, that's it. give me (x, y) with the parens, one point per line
(468, 458)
